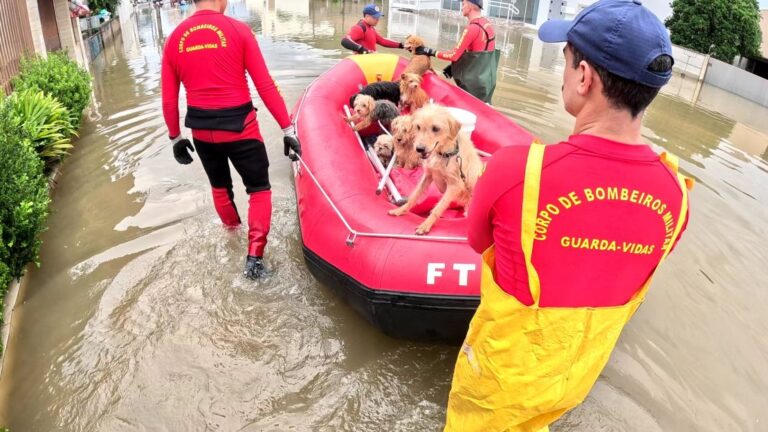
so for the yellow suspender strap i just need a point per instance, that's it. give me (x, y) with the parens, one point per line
(531, 187)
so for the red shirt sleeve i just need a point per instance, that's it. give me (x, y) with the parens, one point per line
(170, 85)
(265, 85)
(503, 171)
(386, 42)
(470, 34)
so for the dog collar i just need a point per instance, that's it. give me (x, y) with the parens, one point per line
(451, 153)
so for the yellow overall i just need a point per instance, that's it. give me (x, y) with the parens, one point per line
(522, 367)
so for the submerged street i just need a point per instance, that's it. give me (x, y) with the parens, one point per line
(139, 317)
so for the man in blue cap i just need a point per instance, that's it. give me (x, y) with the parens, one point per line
(362, 38)
(571, 233)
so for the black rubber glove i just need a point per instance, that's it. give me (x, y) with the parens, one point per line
(181, 148)
(363, 50)
(401, 46)
(448, 71)
(291, 142)
(425, 51)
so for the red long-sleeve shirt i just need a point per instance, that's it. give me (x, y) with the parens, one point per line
(369, 37)
(606, 210)
(209, 53)
(473, 39)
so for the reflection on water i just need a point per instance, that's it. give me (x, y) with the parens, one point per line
(139, 320)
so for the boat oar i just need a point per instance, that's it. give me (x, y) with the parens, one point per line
(376, 162)
(391, 165)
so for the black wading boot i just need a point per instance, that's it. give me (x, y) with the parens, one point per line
(254, 268)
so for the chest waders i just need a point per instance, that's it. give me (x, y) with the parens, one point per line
(475, 71)
(522, 367)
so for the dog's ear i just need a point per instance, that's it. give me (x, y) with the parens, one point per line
(453, 126)
(402, 77)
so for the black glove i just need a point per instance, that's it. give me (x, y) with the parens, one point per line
(448, 71)
(425, 51)
(363, 50)
(401, 46)
(291, 142)
(181, 147)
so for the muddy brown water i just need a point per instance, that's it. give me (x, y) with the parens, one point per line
(138, 319)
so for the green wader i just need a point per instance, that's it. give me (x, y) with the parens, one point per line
(475, 71)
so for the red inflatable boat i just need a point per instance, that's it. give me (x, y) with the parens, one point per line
(414, 287)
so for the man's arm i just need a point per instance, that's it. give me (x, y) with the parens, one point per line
(352, 40)
(170, 85)
(265, 85)
(469, 36)
(386, 42)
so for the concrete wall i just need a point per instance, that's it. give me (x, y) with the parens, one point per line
(737, 81)
(69, 33)
(37, 28)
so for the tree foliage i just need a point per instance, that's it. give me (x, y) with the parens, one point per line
(723, 28)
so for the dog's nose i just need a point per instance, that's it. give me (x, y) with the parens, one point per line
(421, 149)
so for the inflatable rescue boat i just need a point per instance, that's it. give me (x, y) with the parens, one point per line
(415, 287)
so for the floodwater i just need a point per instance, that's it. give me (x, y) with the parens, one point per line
(138, 319)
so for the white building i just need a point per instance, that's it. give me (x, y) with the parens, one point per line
(530, 12)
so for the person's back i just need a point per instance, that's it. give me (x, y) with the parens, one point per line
(606, 211)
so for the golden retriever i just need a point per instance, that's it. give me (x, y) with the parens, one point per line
(384, 149)
(403, 136)
(419, 64)
(412, 96)
(451, 162)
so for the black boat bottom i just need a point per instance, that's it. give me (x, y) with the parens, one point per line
(418, 317)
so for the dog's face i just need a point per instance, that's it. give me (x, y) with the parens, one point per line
(383, 146)
(412, 42)
(436, 131)
(412, 81)
(364, 105)
(402, 131)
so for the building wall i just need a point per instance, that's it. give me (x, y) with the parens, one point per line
(15, 39)
(36, 27)
(69, 33)
(737, 81)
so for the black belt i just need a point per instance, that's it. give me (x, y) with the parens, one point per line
(225, 119)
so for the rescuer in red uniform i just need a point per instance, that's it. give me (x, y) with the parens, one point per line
(209, 53)
(362, 38)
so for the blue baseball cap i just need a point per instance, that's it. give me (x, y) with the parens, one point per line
(478, 3)
(373, 11)
(622, 36)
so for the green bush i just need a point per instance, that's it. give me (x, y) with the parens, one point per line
(45, 122)
(57, 76)
(23, 198)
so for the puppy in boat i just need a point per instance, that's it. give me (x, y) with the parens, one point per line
(412, 96)
(384, 149)
(450, 161)
(419, 64)
(403, 136)
(367, 111)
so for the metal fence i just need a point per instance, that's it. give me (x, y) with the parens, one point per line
(15, 39)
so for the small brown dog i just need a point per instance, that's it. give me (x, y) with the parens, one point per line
(367, 111)
(384, 149)
(412, 96)
(403, 135)
(451, 162)
(419, 64)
